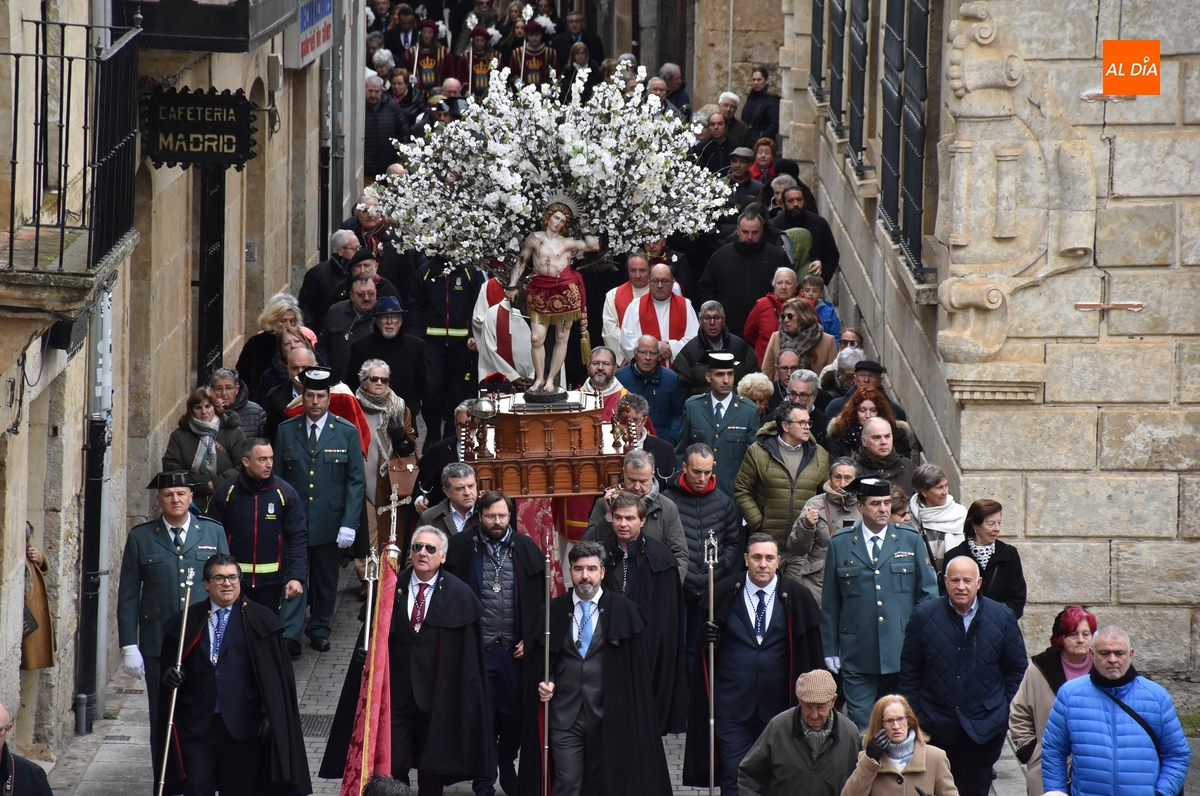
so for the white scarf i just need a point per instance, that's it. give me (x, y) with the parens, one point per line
(942, 525)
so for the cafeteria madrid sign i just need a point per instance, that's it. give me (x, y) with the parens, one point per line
(194, 128)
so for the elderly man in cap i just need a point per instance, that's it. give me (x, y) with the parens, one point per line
(868, 374)
(154, 577)
(321, 456)
(745, 188)
(346, 323)
(811, 749)
(404, 353)
(876, 574)
(723, 421)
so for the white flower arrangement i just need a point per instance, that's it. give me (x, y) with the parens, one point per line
(476, 187)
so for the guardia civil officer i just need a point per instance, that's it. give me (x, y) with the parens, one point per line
(153, 577)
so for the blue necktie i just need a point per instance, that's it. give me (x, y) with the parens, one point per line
(219, 633)
(760, 616)
(585, 628)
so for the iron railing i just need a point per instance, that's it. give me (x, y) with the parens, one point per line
(860, 11)
(816, 64)
(837, 54)
(72, 148)
(892, 89)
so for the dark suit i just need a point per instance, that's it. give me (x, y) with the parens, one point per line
(275, 405)
(329, 479)
(664, 459)
(152, 589)
(563, 42)
(577, 712)
(439, 517)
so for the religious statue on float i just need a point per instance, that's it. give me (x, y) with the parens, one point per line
(556, 294)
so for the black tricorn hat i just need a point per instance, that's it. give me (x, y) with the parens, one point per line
(720, 360)
(171, 478)
(317, 379)
(870, 487)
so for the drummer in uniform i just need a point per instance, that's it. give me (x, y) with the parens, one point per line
(154, 576)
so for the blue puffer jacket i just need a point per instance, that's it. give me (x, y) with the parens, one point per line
(962, 681)
(662, 391)
(1111, 754)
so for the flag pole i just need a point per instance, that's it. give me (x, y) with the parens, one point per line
(546, 679)
(371, 576)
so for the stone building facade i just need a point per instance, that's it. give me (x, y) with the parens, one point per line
(1049, 357)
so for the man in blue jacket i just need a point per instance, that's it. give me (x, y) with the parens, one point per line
(645, 376)
(266, 528)
(1114, 708)
(961, 666)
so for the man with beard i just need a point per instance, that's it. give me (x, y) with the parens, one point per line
(428, 61)
(366, 263)
(661, 516)
(532, 63)
(662, 314)
(691, 363)
(319, 291)
(439, 693)
(602, 383)
(603, 732)
(767, 633)
(506, 571)
(620, 298)
(475, 65)
(740, 273)
(824, 247)
(644, 570)
(404, 353)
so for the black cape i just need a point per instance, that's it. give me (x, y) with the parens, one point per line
(804, 628)
(530, 572)
(288, 767)
(634, 761)
(660, 595)
(458, 744)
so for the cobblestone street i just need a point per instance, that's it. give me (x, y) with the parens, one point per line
(115, 759)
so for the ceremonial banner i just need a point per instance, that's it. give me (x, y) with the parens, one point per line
(371, 743)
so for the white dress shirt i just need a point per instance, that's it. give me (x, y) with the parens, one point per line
(412, 592)
(593, 606)
(320, 424)
(750, 595)
(869, 537)
(182, 540)
(724, 404)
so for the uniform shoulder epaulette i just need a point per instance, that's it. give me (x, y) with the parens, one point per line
(293, 420)
(343, 421)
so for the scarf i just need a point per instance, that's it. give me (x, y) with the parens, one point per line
(1073, 670)
(710, 486)
(381, 409)
(902, 752)
(851, 437)
(942, 525)
(1100, 681)
(815, 739)
(205, 460)
(982, 553)
(802, 341)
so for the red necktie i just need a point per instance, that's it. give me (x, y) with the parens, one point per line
(418, 611)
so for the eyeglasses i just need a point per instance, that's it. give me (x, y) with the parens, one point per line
(350, 248)
(896, 722)
(225, 388)
(788, 368)
(661, 281)
(848, 343)
(801, 423)
(417, 547)
(221, 580)
(378, 379)
(799, 396)
(711, 318)
(641, 352)
(787, 316)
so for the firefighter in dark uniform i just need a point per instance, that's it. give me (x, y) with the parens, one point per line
(266, 528)
(445, 301)
(154, 575)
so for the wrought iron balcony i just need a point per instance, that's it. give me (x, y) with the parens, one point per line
(239, 26)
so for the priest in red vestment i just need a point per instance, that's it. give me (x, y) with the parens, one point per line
(663, 314)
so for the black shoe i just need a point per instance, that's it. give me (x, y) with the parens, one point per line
(293, 647)
(320, 644)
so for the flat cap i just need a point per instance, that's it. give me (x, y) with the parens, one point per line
(742, 152)
(816, 687)
(870, 366)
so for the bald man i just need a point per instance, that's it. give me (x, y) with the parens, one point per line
(662, 314)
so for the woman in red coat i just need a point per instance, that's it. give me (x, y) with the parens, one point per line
(763, 320)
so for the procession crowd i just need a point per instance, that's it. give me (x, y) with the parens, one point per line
(779, 555)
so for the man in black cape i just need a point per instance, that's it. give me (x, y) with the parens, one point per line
(760, 653)
(439, 703)
(506, 571)
(254, 744)
(622, 751)
(644, 570)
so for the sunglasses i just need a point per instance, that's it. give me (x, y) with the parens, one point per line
(787, 316)
(378, 379)
(417, 547)
(850, 343)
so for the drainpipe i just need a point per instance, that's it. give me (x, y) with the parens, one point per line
(324, 154)
(729, 65)
(337, 111)
(93, 626)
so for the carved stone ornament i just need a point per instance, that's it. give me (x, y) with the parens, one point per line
(965, 391)
(1017, 195)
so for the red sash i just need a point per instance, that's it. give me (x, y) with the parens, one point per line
(504, 337)
(623, 298)
(677, 317)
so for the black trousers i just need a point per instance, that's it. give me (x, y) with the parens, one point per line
(504, 675)
(451, 380)
(220, 762)
(971, 763)
(268, 596)
(410, 728)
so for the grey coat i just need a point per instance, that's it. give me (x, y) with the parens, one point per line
(807, 546)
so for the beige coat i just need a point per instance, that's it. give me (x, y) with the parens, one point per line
(810, 544)
(1027, 717)
(823, 353)
(928, 769)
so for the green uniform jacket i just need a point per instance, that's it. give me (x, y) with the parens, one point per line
(865, 608)
(329, 479)
(729, 439)
(153, 578)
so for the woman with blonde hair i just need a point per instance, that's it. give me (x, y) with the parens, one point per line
(897, 758)
(757, 388)
(281, 312)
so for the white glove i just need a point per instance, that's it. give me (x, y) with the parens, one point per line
(132, 661)
(346, 537)
(833, 664)
(421, 503)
